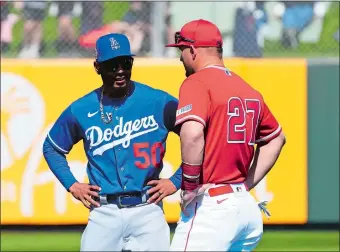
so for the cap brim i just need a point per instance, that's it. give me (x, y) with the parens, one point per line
(178, 45)
(120, 55)
(172, 45)
(192, 44)
(130, 55)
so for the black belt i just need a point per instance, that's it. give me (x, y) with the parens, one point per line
(123, 200)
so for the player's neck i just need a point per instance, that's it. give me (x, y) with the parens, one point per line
(117, 94)
(209, 63)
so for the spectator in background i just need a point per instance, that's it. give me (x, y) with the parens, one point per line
(135, 25)
(7, 22)
(261, 19)
(34, 13)
(245, 40)
(91, 20)
(66, 42)
(296, 16)
(169, 33)
(92, 16)
(4, 16)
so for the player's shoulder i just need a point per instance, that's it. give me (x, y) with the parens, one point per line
(197, 77)
(191, 83)
(204, 77)
(147, 91)
(246, 86)
(86, 100)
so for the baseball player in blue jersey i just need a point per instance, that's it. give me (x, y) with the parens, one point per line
(124, 126)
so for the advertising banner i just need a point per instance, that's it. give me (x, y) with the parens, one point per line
(34, 93)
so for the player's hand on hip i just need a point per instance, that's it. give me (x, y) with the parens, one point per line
(188, 196)
(160, 189)
(84, 192)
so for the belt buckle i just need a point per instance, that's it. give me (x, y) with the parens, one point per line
(120, 205)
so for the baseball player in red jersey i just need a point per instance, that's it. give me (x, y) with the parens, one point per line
(222, 118)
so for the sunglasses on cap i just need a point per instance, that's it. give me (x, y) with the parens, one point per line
(114, 64)
(179, 38)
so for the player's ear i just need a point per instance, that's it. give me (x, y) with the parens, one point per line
(193, 52)
(96, 67)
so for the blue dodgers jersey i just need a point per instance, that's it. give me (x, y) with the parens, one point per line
(126, 153)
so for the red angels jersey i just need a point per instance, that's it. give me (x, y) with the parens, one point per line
(235, 118)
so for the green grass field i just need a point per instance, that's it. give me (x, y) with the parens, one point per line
(272, 241)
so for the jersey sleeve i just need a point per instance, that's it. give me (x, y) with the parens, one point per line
(194, 103)
(65, 132)
(269, 128)
(170, 107)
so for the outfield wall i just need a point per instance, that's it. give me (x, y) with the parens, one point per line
(323, 141)
(34, 93)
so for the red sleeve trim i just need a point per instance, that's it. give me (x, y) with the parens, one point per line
(271, 136)
(190, 117)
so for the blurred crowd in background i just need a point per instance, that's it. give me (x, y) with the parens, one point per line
(32, 29)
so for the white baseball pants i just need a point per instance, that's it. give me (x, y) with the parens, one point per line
(228, 222)
(141, 228)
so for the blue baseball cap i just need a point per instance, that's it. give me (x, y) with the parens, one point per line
(111, 46)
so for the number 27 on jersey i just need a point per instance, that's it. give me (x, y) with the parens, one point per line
(243, 119)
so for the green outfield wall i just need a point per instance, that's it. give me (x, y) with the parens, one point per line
(323, 141)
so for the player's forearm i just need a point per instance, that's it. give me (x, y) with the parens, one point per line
(264, 160)
(192, 146)
(176, 178)
(192, 143)
(58, 164)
